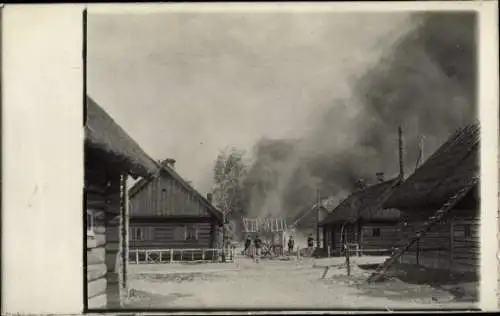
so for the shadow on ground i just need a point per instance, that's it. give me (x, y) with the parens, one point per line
(142, 299)
(405, 281)
(177, 277)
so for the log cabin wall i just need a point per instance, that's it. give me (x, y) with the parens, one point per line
(432, 250)
(378, 236)
(172, 234)
(466, 244)
(335, 237)
(453, 244)
(103, 265)
(165, 196)
(96, 242)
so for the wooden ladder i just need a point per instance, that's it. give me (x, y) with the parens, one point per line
(438, 215)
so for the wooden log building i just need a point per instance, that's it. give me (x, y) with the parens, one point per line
(453, 244)
(166, 212)
(110, 156)
(306, 222)
(361, 221)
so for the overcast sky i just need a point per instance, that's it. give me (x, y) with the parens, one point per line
(185, 85)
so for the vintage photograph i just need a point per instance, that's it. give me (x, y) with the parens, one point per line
(281, 159)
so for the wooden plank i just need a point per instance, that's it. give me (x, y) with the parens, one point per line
(126, 237)
(95, 189)
(112, 259)
(91, 242)
(467, 245)
(100, 239)
(96, 204)
(96, 287)
(97, 302)
(112, 234)
(99, 229)
(467, 261)
(96, 255)
(113, 290)
(112, 278)
(465, 251)
(121, 231)
(96, 271)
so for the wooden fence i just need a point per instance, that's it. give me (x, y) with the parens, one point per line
(355, 249)
(138, 256)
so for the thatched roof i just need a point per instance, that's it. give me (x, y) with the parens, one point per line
(166, 169)
(102, 133)
(324, 211)
(454, 164)
(365, 205)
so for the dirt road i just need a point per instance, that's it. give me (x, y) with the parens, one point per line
(275, 284)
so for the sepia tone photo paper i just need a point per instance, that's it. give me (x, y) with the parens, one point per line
(262, 158)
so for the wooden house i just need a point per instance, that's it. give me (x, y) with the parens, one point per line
(306, 222)
(166, 212)
(452, 244)
(110, 156)
(361, 221)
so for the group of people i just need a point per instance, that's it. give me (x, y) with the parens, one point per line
(257, 242)
(258, 245)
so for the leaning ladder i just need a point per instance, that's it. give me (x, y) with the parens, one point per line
(438, 215)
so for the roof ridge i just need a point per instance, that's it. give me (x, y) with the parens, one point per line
(176, 177)
(471, 142)
(104, 133)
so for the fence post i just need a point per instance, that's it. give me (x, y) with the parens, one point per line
(171, 255)
(137, 256)
(347, 260)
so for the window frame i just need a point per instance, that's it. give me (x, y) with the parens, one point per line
(186, 232)
(376, 232)
(135, 234)
(467, 231)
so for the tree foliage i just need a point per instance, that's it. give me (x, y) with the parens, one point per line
(229, 172)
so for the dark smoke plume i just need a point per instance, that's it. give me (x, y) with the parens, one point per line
(426, 83)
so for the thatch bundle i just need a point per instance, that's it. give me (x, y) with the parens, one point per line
(448, 170)
(365, 204)
(102, 133)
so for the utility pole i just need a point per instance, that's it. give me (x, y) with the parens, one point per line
(401, 153)
(317, 217)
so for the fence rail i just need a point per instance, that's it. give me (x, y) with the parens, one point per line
(358, 251)
(176, 255)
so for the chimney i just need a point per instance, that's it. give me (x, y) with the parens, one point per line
(401, 154)
(170, 162)
(380, 176)
(209, 197)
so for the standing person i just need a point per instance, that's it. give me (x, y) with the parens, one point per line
(258, 244)
(248, 243)
(291, 244)
(310, 241)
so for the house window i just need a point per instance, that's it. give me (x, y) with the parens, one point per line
(467, 231)
(90, 223)
(191, 232)
(376, 232)
(138, 233)
(179, 233)
(462, 231)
